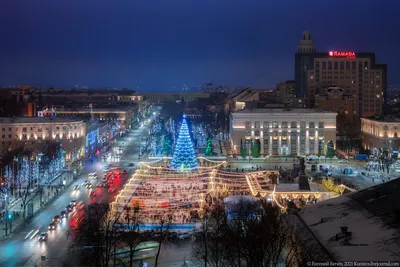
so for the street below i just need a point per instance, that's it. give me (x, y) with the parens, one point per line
(24, 248)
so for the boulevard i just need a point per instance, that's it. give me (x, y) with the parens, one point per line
(24, 249)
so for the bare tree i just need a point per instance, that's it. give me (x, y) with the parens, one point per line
(97, 231)
(130, 221)
(248, 233)
(26, 195)
(161, 233)
(259, 234)
(210, 244)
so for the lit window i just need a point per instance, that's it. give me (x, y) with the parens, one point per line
(378, 96)
(312, 77)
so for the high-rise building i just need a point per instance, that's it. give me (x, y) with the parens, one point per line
(286, 92)
(356, 73)
(304, 60)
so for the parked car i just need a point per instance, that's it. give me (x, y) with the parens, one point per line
(343, 161)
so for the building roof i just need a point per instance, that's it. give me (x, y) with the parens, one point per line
(283, 110)
(120, 108)
(383, 119)
(371, 215)
(9, 120)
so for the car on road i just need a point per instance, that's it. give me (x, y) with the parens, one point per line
(73, 202)
(85, 182)
(131, 165)
(184, 235)
(69, 208)
(76, 187)
(43, 236)
(92, 175)
(89, 185)
(92, 194)
(64, 214)
(104, 181)
(57, 219)
(343, 161)
(52, 226)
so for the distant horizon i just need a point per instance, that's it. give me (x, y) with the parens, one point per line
(157, 46)
(189, 90)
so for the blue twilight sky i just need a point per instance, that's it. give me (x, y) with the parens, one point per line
(160, 44)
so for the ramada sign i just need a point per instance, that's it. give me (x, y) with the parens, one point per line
(342, 54)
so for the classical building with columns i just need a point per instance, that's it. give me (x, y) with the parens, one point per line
(283, 131)
(380, 132)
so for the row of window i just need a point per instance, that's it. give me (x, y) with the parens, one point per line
(340, 64)
(284, 124)
(39, 136)
(284, 134)
(25, 129)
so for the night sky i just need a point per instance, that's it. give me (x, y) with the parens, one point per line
(160, 44)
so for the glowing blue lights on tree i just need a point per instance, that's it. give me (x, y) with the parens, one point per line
(35, 170)
(184, 156)
(9, 174)
(24, 172)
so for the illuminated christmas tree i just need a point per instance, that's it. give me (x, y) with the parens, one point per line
(209, 147)
(184, 156)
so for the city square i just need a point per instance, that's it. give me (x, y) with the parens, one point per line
(215, 134)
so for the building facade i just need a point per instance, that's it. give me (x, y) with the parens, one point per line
(379, 133)
(356, 73)
(286, 92)
(334, 99)
(34, 133)
(123, 114)
(172, 97)
(283, 131)
(303, 61)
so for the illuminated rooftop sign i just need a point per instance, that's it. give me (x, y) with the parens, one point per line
(342, 54)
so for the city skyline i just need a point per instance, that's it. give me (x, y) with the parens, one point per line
(156, 47)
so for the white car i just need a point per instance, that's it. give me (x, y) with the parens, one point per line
(343, 161)
(184, 235)
(93, 175)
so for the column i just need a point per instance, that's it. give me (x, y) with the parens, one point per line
(261, 141)
(307, 142)
(298, 144)
(316, 144)
(270, 145)
(289, 139)
(279, 143)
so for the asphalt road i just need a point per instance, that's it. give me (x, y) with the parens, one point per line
(24, 249)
